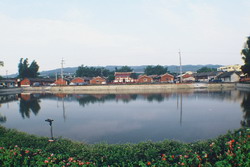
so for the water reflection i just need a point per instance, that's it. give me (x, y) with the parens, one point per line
(29, 103)
(2, 119)
(246, 110)
(185, 116)
(6, 99)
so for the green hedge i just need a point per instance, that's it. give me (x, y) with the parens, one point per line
(20, 149)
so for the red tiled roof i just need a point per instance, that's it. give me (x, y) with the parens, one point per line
(122, 74)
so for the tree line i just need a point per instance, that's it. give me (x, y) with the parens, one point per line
(85, 71)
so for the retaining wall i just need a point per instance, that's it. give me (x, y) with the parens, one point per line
(108, 89)
(11, 90)
(243, 86)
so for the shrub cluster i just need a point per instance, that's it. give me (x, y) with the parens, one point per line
(20, 149)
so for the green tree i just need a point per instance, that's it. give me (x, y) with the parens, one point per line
(111, 78)
(27, 71)
(124, 69)
(134, 75)
(246, 57)
(155, 70)
(84, 71)
(206, 69)
(33, 69)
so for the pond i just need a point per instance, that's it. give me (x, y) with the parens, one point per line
(185, 116)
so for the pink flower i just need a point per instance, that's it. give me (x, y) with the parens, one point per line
(70, 159)
(46, 161)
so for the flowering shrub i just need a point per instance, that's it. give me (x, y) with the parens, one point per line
(232, 149)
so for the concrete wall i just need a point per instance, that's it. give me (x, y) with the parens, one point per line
(149, 88)
(244, 86)
(11, 90)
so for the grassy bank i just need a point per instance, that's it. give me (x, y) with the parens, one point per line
(231, 149)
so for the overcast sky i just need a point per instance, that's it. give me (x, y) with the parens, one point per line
(122, 32)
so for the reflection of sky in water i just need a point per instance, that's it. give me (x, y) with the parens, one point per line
(142, 117)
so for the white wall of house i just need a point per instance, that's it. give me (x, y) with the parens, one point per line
(233, 78)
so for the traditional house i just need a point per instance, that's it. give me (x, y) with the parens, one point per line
(144, 79)
(167, 78)
(229, 76)
(188, 78)
(25, 82)
(8, 83)
(36, 82)
(156, 78)
(61, 81)
(77, 81)
(98, 80)
(206, 76)
(123, 77)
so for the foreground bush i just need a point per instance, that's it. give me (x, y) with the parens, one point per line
(17, 149)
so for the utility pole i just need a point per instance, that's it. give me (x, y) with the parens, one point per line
(180, 66)
(62, 68)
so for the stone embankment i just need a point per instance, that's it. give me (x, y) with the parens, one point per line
(11, 90)
(143, 88)
(243, 86)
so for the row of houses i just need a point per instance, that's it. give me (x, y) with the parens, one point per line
(125, 78)
(218, 76)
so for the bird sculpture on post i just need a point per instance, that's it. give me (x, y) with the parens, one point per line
(50, 121)
(51, 130)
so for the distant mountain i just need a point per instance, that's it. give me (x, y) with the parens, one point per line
(171, 68)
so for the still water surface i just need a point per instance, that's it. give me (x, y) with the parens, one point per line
(122, 118)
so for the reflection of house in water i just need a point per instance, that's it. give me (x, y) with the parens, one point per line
(61, 95)
(99, 96)
(123, 97)
(8, 98)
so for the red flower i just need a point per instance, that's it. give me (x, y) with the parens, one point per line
(164, 159)
(233, 141)
(182, 164)
(70, 159)
(27, 151)
(87, 163)
(163, 155)
(81, 163)
(172, 156)
(148, 163)
(46, 161)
